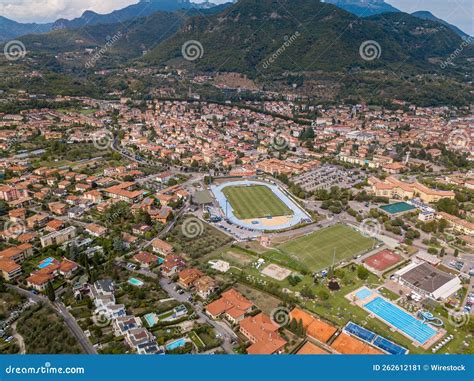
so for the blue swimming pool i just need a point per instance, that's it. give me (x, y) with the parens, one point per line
(151, 319)
(135, 282)
(363, 293)
(45, 262)
(176, 344)
(401, 320)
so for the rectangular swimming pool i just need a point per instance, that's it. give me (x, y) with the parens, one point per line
(363, 293)
(176, 344)
(135, 282)
(45, 262)
(401, 320)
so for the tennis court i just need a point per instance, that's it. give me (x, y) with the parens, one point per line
(398, 207)
(383, 260)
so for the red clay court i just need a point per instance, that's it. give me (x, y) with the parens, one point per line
(382, 260)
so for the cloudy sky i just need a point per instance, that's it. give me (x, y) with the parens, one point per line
(457, 12)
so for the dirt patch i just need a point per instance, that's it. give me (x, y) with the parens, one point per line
(276, 272)
(234, 81)
(239, 258)
(262, 300)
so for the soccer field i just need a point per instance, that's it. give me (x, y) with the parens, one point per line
(255, 201)
(315, 251)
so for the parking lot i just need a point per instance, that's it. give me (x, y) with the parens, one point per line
(327, 176)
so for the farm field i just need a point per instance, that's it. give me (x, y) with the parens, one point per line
(315, 251)
(256, 201)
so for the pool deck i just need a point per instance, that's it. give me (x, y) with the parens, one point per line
(440, 332)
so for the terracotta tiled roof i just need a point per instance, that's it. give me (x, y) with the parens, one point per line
(314, 327)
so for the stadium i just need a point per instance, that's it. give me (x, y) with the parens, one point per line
(258, 205)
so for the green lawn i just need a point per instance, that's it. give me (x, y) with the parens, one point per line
(255, 201)
(196, 340)
(315, 251)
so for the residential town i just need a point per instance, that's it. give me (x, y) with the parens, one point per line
(272, 227)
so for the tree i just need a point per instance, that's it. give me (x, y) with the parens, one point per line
(72, 252)
(323, 294)
(447, 205)
(362, 273)
(306, 292)
(50, 292)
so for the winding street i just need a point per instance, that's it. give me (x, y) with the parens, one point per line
(19, 339)
(61, 310)
(223, 330)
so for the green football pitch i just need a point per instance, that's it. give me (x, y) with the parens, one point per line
(255, 201)
(316, 251)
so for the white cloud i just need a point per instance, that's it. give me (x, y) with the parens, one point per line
(51, 10)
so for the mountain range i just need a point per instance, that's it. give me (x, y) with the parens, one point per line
(308, 36)
(10, 29)
(367, 8)
(312, 45)
(364, 8)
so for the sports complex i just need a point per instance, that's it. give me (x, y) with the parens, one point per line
(257, 205)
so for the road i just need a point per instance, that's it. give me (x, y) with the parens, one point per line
(221, 328)
(70, 321)
(19, 339)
